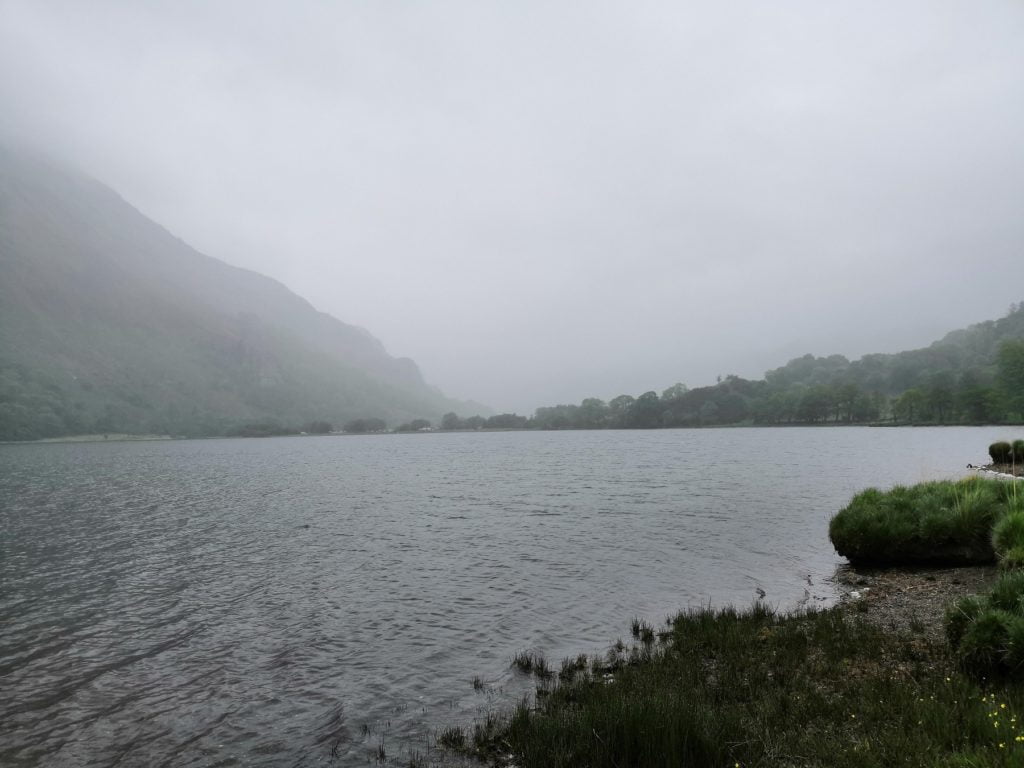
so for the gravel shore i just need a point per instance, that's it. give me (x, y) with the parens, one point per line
(910, 600)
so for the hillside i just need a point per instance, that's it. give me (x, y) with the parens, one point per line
(970, 376)
(109, 323)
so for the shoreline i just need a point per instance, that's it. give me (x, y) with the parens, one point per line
(905, 599)
(869, 680)
(128, 437)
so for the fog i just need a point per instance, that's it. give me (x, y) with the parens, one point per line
(541, 202)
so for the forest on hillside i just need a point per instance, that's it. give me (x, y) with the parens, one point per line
(972, 376)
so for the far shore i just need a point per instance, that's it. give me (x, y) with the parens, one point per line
(125, 437)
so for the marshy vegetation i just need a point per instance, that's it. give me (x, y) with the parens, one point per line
(755, 688)
(532, 662)
(942, 522)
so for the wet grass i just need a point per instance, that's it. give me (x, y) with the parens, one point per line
(642, 631)
(752, 688)
(452, 738)
(942, 522)
(571, 668)
(531, 662)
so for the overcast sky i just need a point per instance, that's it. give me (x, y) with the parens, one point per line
(545, 201)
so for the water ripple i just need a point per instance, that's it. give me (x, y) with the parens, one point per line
(297, 601)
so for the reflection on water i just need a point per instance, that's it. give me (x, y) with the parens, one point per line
(297, 601)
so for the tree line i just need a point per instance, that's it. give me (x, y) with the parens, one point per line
(974, 376)
(806, 391)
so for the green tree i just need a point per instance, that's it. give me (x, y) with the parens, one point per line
(646, 411)
(939, 399)
(620, 407)
(908, 406)
(1010, 376)
(816, 404)
(975, 400)
(593, 413)
(675, 392)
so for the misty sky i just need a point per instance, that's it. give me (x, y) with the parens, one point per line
(544, 201)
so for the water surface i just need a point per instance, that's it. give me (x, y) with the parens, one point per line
(299, 601)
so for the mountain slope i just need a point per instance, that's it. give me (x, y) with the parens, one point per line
(110, 323)
(973, 349)
(971, 376)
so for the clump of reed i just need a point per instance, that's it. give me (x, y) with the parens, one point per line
(940, 522)
(452, 737)
(572, 667)
(642, 631)
(532, 662)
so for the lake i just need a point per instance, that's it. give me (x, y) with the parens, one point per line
(303, 601)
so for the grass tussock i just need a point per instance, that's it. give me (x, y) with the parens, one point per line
(452, 738)
(752, 688)
(986, 632)
(1001, 452)
(942, 522)
(531, 662)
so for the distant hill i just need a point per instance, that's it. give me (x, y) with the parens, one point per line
(109, 323)
(971, 376)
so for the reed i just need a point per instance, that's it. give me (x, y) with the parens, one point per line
(753, 688)
(531, 662)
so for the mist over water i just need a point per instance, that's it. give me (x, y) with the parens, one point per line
(297, 601)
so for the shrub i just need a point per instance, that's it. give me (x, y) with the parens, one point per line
(1018, 451)
(1001, 452)
(938, 522)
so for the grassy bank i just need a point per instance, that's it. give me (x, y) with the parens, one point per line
(753, 688)
(941, 522)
